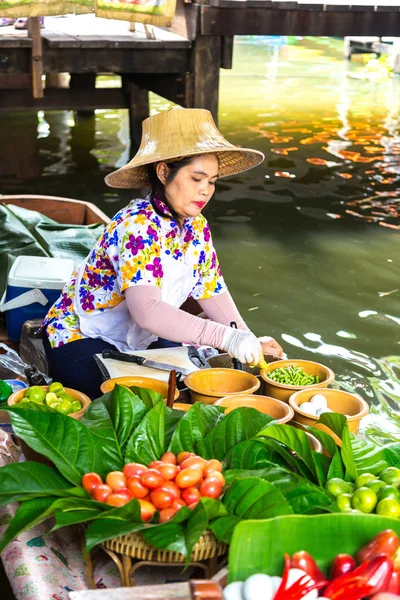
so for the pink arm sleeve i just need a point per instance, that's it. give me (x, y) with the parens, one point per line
(222, 309)
(161, 319)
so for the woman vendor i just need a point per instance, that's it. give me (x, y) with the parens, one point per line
(153, 255)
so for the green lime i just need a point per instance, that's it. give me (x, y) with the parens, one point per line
(336, 486)
(388, 491)
(376, 485)
(364, 499)
(57, 388)
(51, 399)
(364, 479)
(388, 507)
(35, 394)
(350, 487)
(343, 501)
(65, 396)
(76, 405)
(391, 476)
(65, 407)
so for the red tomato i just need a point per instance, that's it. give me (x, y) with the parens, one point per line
(147, 510)
(213, 465)
(192, 506)
(101, 492)
(135, 486)
(151, 479)
(216, 475)
(161, 498)
(212, 488)
(132, 469)
(116, 480)
(169, 458)
(169, 472)
(170, 486)
(182, 456)
(90, 481)
(167, 514)
(117, 499)
(155, 464)
(191, 495)
(385, 542)
(189, 478)
(178, 504)
(194, 462)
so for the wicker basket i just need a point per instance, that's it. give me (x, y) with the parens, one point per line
(134, 545)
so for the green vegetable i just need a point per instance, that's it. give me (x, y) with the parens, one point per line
(293, 376)
(5, 390)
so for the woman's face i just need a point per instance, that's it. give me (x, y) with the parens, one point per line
(192, 187)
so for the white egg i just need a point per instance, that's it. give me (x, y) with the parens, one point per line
(258, 587)
(319, 401)
(294, 575)
(276, 582)
(321, 411)
(233, 591)
(309, 408)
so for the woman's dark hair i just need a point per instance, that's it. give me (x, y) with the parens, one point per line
(157, 188)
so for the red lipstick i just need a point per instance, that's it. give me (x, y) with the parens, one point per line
(200, 204)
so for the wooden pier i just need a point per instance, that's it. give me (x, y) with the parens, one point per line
(181, 64)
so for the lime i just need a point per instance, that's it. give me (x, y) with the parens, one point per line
(336, 486)
(350, 487)
(376, 485)
(65, 407)
(65, 396)
(57, 388)
(364, 479)
(51, 398)
(364, 499)
(388, 491)
(76, 405)
(388, 507)
(35, 394)
(391, 476)
(343, 501)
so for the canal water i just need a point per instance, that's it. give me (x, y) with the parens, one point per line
(309, 242)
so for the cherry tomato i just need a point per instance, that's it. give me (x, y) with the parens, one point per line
(169, 458)
(135, 486)
(147, 510)
(178, 504)
(132, 469)
(182, 456)
(169, 472)
(116, 480)
(213, 465)
(216, 475)
(193, 506)
(117, 499)
(212, 488)
(170, 486)
(161, 498)
(342, 563)
(191, 495)
(101, 492)
(155, 464)
(303, 560)
(166, 514)
(90, 481)
(385, 543)
(152, 479)
(194, 462)
(189, 478)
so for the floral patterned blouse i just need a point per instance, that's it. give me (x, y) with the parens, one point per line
(130, 252)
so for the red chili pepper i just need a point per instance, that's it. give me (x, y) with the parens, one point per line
(304, 561)
(385, 542)
(342, 564)
(299, 588)
(371, 577)
(394, 583)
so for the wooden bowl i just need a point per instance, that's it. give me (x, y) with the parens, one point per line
(280, 411)
(207, 385)
(345, 403)
(145, 382)
(83, 399)
(282, 391)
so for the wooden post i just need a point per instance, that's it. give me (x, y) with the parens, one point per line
(37, 56)
(206, 64)
(83, 81)
(138, 103)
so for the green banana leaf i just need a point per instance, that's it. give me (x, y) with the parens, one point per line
(259, 546)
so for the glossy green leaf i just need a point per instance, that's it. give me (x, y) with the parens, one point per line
(64, 441)
(149, 397)
(223, 528)
(98, 421)
(168, 536)
(254, 498)
(239, 425)
(70, 511)
(26, 480)
(194, 425)
(252, 454)
(147, 442)
(259, 546)
(172, 419)
(30, 513)
(126, 410)
(338, 424)
(336, 468)
(118, 521)
(368, 457)
(392, 455)
(291, 460)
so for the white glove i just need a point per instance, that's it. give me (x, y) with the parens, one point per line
(242, 345)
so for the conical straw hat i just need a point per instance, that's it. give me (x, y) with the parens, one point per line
(178, 133)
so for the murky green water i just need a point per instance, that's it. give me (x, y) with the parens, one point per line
(310, 241)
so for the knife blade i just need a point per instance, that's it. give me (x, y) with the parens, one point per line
(141, 360)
